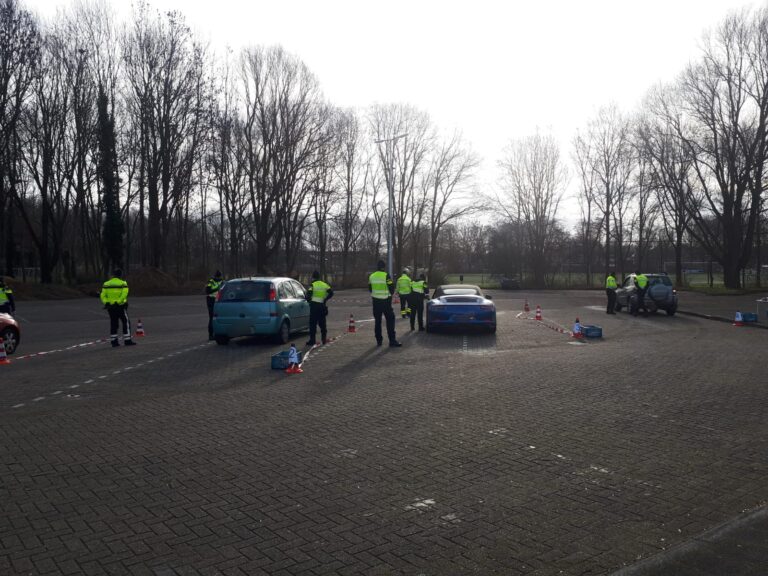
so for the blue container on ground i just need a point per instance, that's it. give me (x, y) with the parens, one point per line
(280, 360)
(749, 317)
(592, 331)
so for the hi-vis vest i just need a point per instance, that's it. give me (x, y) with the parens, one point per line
(114, 291)
(404, 284)
(214, 286)
(418, 286)
(380, 282)
(610, 283)
(4, 291)
(641, 280)
(319, 291)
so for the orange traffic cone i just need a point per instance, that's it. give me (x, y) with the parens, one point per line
(527, 308)
(577, 333)
(3, 355)
(739, 320)
(538, 312)
(351, 328)
(139, 329)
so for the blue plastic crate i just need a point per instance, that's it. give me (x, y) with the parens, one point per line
(591, 331)
(280, 360)
(749, 317)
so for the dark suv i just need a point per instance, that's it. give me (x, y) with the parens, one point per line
(659, 295)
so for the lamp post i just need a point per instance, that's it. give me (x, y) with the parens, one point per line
(391, 187)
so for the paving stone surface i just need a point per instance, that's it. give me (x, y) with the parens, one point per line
(520, 452)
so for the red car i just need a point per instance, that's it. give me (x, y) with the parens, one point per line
(10, 332)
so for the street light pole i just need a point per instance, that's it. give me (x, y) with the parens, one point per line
(391, 186)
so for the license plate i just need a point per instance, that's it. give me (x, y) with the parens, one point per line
(463, 317)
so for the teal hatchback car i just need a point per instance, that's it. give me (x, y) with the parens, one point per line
(260, 306)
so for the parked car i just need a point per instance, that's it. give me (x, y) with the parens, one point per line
(10, 332)
(507, 283)
(460, 305)
(260, 306)
(660, 295)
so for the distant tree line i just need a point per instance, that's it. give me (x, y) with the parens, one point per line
(135, 144)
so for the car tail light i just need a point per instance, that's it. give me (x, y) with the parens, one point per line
(218, 296)
(488, 307)
(272, 293)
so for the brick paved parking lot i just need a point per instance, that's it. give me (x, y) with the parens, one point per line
(521, 452)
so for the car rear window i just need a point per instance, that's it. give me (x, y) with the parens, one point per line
(460, 292)
(471, 299)
(245, 292)
(653, 280)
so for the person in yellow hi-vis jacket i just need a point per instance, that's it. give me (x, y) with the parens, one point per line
(114, 296)
(419, 293)
(404, 289)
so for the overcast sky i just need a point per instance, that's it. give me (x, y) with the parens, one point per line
(495, 70)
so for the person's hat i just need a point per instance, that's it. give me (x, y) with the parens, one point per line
(381, 264)
(118, 272)
(217, 274)
(315, 274)
(422, 277)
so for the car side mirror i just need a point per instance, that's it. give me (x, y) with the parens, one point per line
(489, 297)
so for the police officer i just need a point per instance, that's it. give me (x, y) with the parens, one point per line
(318, 294)
(610, 291)
(419, 292)
(641, 282)
(404, 289)
(211, 291)
(114, 296)
(381, 288)
(7, 303)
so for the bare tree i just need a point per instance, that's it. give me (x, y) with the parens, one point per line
(448, 182)
(588, 230)
(534, 181)
(284, 123)
(402, 161)
(609, 157)
(20, 50)
(724, 100)
(671, 170)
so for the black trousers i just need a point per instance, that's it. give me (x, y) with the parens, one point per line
(118, 313)
(611, 293)
(383, 307)
(641, 300)
(416, 301)
(317, 318)
(210, 302)
(5, 308)
(405, 300)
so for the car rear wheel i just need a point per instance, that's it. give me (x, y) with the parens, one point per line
(284, 334)
(492, 329)
(618, 307)
(671, 311)
(222, 340)
(10, 339)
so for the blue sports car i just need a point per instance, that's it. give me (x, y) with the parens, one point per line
(460, 305)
